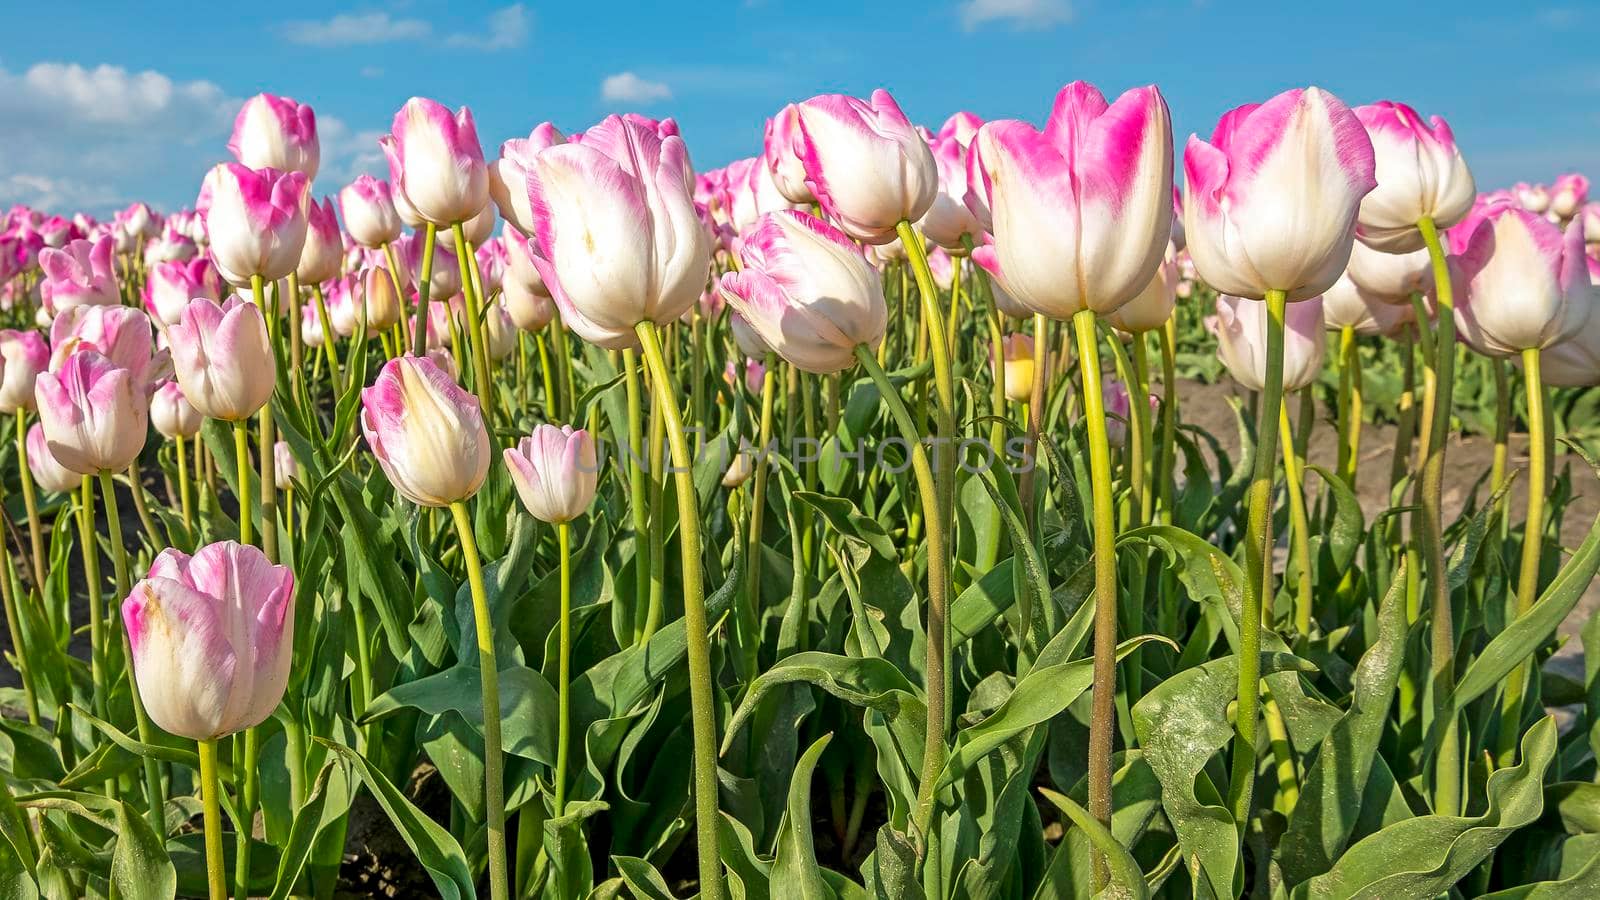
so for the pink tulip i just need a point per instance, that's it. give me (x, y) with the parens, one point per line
(276, 133)
(212, 637)
(1349, 305)
(1081, 211)
(808, 292)
(492, 256)
(1420, 175)
(865, 163)
(508, 175)
(435, 162)
(1534, 198)
(554, 471)
(1591, 224)
(1568, 195)
(1527, 281)
(1575, 362)
(172, 414)
(1240, 327)
(426, 432)
(223, 358)
(23, 355)
(749, 341)
(47, 472)
(257, 221)
(383, 304)
(1393, 277)
(444, 280)
(752, 193)
(1151, 307)
(120, 333)
(752, 371)
(949, 220)
(322, 256)
(617, 239)
(94, 413)
(1271, 200)
(782, 151)
(369, 213)
(170, 245)
(82, 274)
(170, 286)
(286, 469)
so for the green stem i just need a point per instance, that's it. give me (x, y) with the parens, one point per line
(1447, 776)
(185, 494)
(1349, 460)
(493, 757)
(248, 799)
(1502, 432)
(328, 343)
(1299, 524)
(1258, 571)
(638, 495)
(1103, 712)
(24, 669)
(31, 499)
(210, 798)
(564, 536)
(1532, 545)
(241, 450)
(419, 331)
(701, 701)
(750, 640)
(1166, 451)
(91, 578)
(478, 353)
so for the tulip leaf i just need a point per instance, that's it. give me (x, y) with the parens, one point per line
(642, 878)
(136, 747)
(140, 867)
(527, 705)
(1127, 881)
(795, 864)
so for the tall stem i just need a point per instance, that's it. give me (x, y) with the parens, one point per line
(750, 640)
(1532, 545)
(210, 798)
(31, 499)
(1502, 432)
(1447, 776)
(638, 497)
(241, 450)
(91, 579)
(488, 669)
(185, 494)
(1258, 571)
(564, 537)
(701, 702)
(1299, 524)
(249, 797)
(419, 331)
(328, 343)
(1103, 710)
(478, 353)
(1349, 406)
(1166, 451)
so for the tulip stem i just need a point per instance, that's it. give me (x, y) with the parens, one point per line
(564, 676)
(466, 261)
(488, 669)
(701, 701)
(1258, 570)
(1299, 524)
(1166, 451)
(419, 333)
(119, 562)
(399, 295)
(185, 495)
(241, 450)
(638, 496)
(249, 796)
(1349, 406)
(1532, 545)
(91, 579)
(31, 499)
(334, 369)
(18, 647)
(548, 378)
(1103, 712)
(750, 605)
(1447, 775)
(210, 797)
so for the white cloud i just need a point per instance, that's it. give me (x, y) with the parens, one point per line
(626, 87)
(347, 29)
(508, 28)
(1027, 14)
(347, 153)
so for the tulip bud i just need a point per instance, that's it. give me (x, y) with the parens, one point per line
(1393, 277)
(212, 637)
(1082, 211)
(82, 274)
(276, 133)
(480, 227)
(752, 193)
(94, 413)
(1570, 193)
(1349, 305)
(369, 213)
(865, 163)
(435, 163)
(1118, 407)
(555, 471)
(1240, 327)
(499, 331)
(286, 469)
(445, 279)
(492, 255)
(383, 304)
(741, 467)
(1534, 198)
(223, 358)
(322, 256)
(171, 285)
(1018, 367)
(754, 374)
(426, 432)
(1153, 306)
(808, 292)
(619, 242)
(1420, 174)
(529, 310)
(48, 473)
(311, 326)
(257, 221)
(24, 355)
(172, 414)
(1303, 158)
(782, 150)
(1527, 281)
(508, 175)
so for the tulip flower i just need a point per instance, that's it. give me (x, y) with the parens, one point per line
(1591, 226)
(94, 412)
(223, 358)
(1575, 362)
(1240, 328)
(753, 193)
(753, 372)
(444, 278)
(1349, 305)
(480, 227)
(1420, 175)
(170, 286)
(81, 274)
(172, 414)
(865, 163)
(1534, 198)
(322, 256)
(808, 292)
(23, 355)
(499, 331)
(383, 304)
(749, 342)
(1018, 367)
(1568, 195)
(1082, 210)
(1527, 281)
(1119, 406)
(1393, 277)
(369, 213)
(257, 221)
(740, 468)
(311, 326)
(783, 149)
(491, 256)
(47, 472)
(618, 241)
(555, 471)
(1271, 201)
(436, 165)
(530, 310)
(426, 432)
(1151, 308)
(948, 221)
(286, 468)
(119, 333)
(276, 133)
(508, 175)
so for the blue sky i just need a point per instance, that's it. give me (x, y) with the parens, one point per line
(103, 104)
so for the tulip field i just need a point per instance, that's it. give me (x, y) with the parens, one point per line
(1010, 511)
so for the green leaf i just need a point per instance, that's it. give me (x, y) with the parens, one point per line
(528, 705)
(846, 519)
(892, 871)
(308, 824)
(642, 878)
(795, 865)
(1426, 855)
(1127, 881)
(138, 748)
(140, 867)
